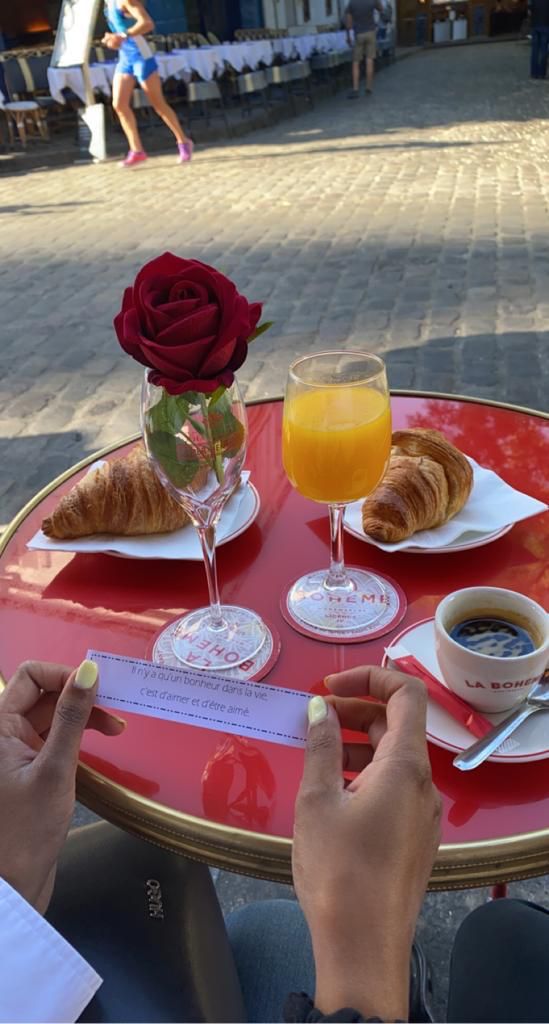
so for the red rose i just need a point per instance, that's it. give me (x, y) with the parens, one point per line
(188, 323)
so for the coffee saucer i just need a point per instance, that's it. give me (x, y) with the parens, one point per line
(530, 742)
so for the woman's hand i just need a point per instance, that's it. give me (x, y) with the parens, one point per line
(112, 40)
(363, 853)
(43, 713)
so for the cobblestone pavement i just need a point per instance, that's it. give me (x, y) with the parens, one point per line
(415, 224)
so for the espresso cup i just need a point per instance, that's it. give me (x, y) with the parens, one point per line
(488, 683)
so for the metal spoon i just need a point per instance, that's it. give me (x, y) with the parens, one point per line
(537, 700)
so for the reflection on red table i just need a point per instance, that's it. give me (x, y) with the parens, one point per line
(55, 606)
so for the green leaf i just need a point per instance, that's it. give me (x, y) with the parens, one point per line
(169, 414)
(226, 429)
(192, 397)
(260, 330)
(217, 394)
(178, 461)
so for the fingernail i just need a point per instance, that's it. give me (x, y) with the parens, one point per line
(121, 721)
(317, 710)
(327, 681)
(86, 676)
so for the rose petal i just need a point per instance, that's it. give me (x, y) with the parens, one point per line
(204, 322)
(185, 288)
(177, 361)
(238, 356)
(192, 384)
(170, 312)
(217, 358)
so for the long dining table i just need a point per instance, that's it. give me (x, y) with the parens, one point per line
(208, 62)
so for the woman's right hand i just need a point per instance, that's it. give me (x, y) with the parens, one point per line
(363, 853)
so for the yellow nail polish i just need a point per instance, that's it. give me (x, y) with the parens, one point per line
(317, 710)
(86, 676)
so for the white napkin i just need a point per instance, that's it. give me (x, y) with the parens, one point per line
(182, 544)
(491, 505)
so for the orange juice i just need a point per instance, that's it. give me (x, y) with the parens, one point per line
(336, 441)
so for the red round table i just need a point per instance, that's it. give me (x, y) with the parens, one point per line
(229, 800)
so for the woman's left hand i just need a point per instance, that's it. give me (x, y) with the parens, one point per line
(112, 40)
(43, 713)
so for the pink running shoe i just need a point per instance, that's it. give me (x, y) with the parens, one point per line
(185, 151)
(133, 159)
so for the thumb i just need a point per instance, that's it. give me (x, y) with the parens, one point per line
(324, 751)
(71, 715)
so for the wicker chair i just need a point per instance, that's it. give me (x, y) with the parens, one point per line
(24, 114)
(160, 43)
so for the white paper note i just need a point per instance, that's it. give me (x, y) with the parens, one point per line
(207, 699)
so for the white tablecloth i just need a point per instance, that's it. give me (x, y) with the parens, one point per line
(206, 61)
(304, 46)
(72, 78)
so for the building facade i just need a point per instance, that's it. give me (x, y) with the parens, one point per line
(30, 22)
(306, 13)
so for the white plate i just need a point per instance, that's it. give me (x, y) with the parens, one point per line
(491, 510)
(530, 742)
(240, 512)
(472, 539)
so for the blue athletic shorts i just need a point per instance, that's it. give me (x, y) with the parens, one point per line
(131, 62)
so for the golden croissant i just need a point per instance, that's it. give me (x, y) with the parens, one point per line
(428, 481)
(124, 497)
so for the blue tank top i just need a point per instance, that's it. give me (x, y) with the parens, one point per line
(120, 22)
(117, 20)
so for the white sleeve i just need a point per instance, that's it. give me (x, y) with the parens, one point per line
(42, 978)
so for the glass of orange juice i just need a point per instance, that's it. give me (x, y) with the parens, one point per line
(336, 443)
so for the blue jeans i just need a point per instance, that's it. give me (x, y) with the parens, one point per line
(498, 970)
(273, 954)
(538, 55)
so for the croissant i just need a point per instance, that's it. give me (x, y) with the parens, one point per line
(428, 481)
(123, 497)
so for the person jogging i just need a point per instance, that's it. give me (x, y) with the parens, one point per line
(128, 22)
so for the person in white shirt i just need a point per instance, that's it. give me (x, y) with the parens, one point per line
(44, 710)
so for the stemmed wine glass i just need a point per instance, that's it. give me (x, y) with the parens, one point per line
(197, 445)
(336, 446)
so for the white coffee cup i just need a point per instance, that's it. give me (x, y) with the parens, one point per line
(490, 683)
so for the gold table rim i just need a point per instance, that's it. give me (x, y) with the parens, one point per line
(458, 865)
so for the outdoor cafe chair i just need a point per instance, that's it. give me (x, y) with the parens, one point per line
(278, 79)
(252, 89)
(160, 42)
(208, 98)
(299, 75)
(325, 67)
(102, 55)
(24, 115)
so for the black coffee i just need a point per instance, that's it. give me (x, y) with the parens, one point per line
(496, 637)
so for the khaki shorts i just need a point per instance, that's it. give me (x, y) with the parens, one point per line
(365, 46)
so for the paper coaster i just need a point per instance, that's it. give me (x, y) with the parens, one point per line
(386, 595)
(162, 653)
